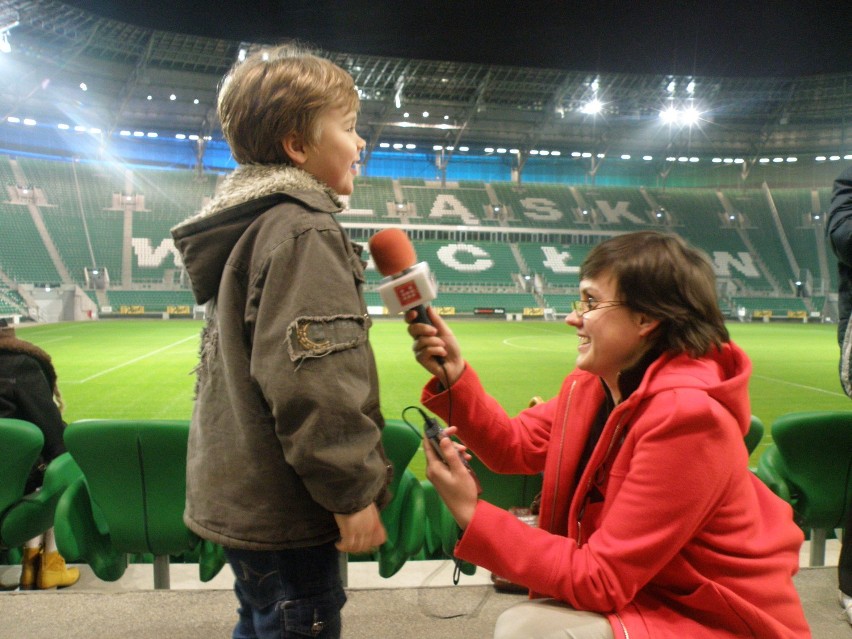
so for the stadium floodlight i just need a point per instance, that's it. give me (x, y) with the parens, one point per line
(670, 115)
(592, 107)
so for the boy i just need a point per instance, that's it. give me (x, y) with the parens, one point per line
(285, 465)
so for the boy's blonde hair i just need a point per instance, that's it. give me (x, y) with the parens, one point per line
(275, 92)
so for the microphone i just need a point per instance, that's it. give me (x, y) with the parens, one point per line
(407, 285)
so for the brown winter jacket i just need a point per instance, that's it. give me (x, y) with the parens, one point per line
(286, 428)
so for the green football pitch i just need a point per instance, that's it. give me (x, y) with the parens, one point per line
(144, 368)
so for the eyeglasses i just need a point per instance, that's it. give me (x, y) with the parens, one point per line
(581, 307)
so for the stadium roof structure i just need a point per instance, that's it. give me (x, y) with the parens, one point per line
(150, 80)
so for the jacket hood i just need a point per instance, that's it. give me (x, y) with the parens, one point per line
(206, 240)
(722, 373)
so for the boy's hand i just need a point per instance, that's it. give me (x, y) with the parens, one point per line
(360, 532)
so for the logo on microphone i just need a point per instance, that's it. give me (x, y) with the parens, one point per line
(407, 293)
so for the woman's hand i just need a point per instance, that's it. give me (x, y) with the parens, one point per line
(435, 340)
(454, 482)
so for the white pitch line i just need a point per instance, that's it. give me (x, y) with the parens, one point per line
(812, 388)
(137, 359)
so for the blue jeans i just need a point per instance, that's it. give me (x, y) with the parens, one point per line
(286, 594)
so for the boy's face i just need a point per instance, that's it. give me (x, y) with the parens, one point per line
(334, 157)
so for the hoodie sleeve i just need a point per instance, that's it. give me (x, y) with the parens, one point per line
(314, 366)
(839, 227)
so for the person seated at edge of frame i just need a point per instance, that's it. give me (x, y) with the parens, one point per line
(28, 391)
(839, 232)
(650, 524)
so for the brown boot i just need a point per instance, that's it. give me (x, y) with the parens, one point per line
(54, 573)
(29, 568)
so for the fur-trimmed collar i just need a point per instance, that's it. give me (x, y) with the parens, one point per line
(252, 181)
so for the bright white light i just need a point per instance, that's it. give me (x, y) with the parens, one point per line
(425, 114)
(410, 147)
(149, 98)
(195, 101)
(384, 145)
(820, 158)
(716, 160)
(437, 147)
(13, 120)
(193, 137)
(575, 154)
(833, 158)
(397, 146)
(5, 47)
(152, 134)
(690, 88)
(848, 156)
(544, 152)
(180, 136)
(63, 127)
(241, 55)
(172, 97)
(488, 149)
(690, 116)
(670, 115)
(683, 158)
(625, 156)
(451, 148)
(95, 131)
(29, 122)
(777, 160)
(795, 159)
(693, 160)
(672, 86)
(514, 151)
(586, 154)
(647, 158)
(464, 148)
(84, 86)
(728, 160)
(557, 153)
(80, 128)
(138, 134)
(738, 160)
(764, 160)
(501, 150)
(125, 133)
(592, 107)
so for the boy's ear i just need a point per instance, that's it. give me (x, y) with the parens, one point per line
(295, 148)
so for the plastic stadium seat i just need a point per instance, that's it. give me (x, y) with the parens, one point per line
(405, 516)
(809, 465)
(23, 517)
(754, 434)
(131, 499)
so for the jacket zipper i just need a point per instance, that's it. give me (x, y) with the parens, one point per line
(559, 463)
(623, 627)
(589, 483)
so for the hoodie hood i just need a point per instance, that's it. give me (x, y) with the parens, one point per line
(722, 373)
(205, 241)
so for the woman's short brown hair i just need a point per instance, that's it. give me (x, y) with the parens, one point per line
(275, 92)
(666, 278)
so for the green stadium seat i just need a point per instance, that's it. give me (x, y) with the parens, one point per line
(131, 498)
(809, 465)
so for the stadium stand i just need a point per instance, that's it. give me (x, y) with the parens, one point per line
(500, 245)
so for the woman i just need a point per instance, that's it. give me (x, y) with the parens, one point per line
(651, 524)
(28, 391)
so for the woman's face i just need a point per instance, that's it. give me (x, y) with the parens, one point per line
(612, 337)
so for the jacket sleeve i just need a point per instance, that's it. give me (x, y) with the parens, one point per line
(504, 444)
(839, 228)
(314, 366)
(679, 469)
(31, 399)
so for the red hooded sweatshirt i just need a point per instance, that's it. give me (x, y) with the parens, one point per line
(667, 532)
